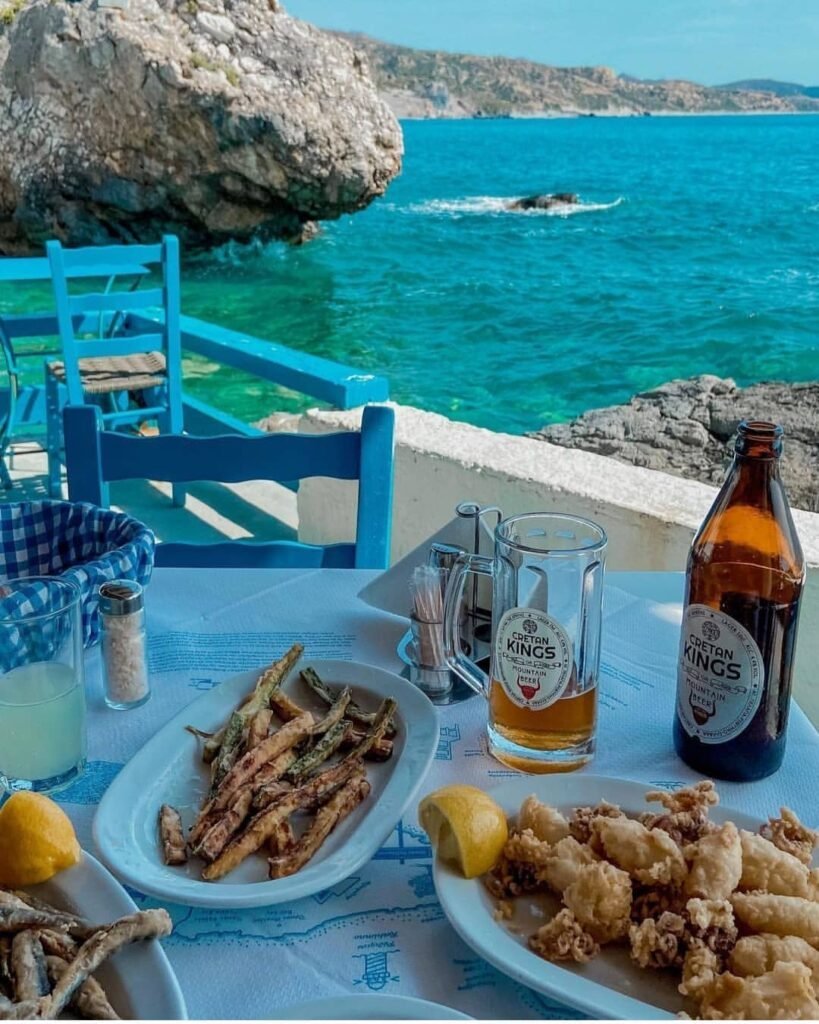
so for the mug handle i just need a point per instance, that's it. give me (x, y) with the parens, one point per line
(457, 660)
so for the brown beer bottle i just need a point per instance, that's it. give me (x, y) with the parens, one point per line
(744, 582)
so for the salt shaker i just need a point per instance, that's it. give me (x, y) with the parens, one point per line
(124, 650)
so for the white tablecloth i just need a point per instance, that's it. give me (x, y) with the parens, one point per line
(382, 930)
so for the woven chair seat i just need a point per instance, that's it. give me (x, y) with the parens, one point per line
(101, 376)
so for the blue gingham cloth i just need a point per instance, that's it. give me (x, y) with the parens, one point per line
(77, 541)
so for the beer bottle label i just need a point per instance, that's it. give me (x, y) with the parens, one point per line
(533, 658)
(721, 675)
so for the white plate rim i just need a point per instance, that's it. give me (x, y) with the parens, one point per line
(420, 721)
(68, 887)
(501, 949)
(380, 1006)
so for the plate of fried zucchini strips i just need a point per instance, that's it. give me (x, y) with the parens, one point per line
(627, 903)
(77, 947)
(271, 787)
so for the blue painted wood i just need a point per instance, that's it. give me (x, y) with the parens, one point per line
(37, 268)
(95, 456)
(335, 383)
(164, 336)
(205, 420)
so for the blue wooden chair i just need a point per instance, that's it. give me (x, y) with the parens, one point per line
(95, 457)
(134, 377)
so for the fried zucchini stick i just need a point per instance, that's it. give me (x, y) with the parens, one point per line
(326, 746)
(267, 821)
(337, 711)
(282, 839)
(247, 766)
(171, 837)
(354, 712)
(334, 811)
(219, 835)
(273, 770)
(259, 727)
(287, 709)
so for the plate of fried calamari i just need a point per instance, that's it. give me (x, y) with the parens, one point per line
(271, 787)
(77, 947)
(625, 903)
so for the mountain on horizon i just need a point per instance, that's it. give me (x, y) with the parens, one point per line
(440, 84)
(774, 86)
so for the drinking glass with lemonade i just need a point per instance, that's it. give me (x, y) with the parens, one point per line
(42, 693)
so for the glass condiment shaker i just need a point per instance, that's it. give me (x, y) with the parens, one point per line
(124, 648)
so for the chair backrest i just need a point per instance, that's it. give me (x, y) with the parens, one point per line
(95, 457)
(121, 266)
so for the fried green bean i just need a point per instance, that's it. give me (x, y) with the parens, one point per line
(354, 712)
(327, 745)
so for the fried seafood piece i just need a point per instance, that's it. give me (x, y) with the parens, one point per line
(600, 899)
(337, 808)
(18, 919)
(90, 1000)
(758, 954)
(767, 868)
(521, 866)
(564, 938)
(104, 943)
(712, 922)
(789, 834)
(700, 969)
(685, 817)
(171, 837)
(650, 856)
(784, 993)
(714, 864)
(547, 823)
(580, 825)
(658, 943)
(652, 902)
(779, 915)
(28, 967)
(565, 861)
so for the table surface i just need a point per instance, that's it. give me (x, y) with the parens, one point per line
(382, 930)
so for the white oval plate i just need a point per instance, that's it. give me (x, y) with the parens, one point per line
(369, 1007)
(169, 769)
(139, 981)
(611, 985)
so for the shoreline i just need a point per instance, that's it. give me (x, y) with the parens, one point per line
(567, 115)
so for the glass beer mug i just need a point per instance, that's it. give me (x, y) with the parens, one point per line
(547, 588)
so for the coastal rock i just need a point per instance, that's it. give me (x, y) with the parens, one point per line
(545, 202)
(214, 119)
(685, 428)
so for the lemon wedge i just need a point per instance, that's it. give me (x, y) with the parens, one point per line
(465, 826)
(36, 840)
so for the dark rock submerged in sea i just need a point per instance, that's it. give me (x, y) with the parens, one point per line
(214, 119)
(685, 428)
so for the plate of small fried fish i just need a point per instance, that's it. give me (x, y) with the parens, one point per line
(629, 904)
(271, 787)
(76, 946)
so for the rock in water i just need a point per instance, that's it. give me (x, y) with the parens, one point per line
(215, 119)
(686, 427)
(545, 202)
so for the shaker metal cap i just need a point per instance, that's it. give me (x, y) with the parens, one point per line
(121, 597)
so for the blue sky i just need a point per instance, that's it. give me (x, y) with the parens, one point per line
(710, 41)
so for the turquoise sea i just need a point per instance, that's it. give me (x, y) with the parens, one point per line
(696, 250)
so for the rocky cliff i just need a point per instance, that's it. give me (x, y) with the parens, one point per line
(215, 119)
(432, 83)
(686, 427)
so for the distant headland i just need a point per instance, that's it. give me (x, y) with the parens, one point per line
(438, 84)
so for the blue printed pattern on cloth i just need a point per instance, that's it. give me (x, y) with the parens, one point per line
(79, 542)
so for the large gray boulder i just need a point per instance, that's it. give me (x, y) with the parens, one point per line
(216, 119)
(685, 428)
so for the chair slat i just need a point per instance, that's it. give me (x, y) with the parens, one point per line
(128, 345)
(108, 259)
(116, 302)
(177, 458)
(241, 554)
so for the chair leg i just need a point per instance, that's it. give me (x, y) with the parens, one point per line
(53, 435)
(5, 476)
